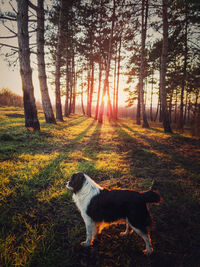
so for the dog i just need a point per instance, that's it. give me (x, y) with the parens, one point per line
(100, 206)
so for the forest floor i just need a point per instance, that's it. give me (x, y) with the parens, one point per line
(39, 223)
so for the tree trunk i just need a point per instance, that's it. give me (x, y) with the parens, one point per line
(46, 103)
(91, 89)
(30, 110)
(99, 90)
(88, 91)
(71, 89)
(151, 104)
(175, 109)
(185, 111)
(82, 105)
(67, 86)
(142, 57)
(109, 106)
(165, 115)
(118, 76)
(156, 115)
(138, 115)
(170, 105)
(58, 64)
(73, 84)
(188, 109)
(114, 86)
(196, 117)
(106, 81)
(181, 119)
(67, 79)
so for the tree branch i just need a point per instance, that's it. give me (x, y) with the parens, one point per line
(35, 30)
(32, 5)
(15, 11)
(8, 18)
(7, 45)
(32, 14)
(8, 37)
(9, 29)
(194, 43)
(11, 53)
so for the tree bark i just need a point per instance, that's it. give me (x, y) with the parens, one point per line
(118, 76)
(156, 115)
(99, 90)
(82, 104)
(181, 118)
(114, 85)
(106, 81)
(138, 115)
(88, 90)
(91, 88)
(67, 86)
(59, 115)
(151, 104)
(144, 16)
(196, 116)
(67, 55)
(46, 103)
(73, 83)
(30, 110)
(163, 70)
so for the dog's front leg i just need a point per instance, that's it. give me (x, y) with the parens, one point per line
(90, 231)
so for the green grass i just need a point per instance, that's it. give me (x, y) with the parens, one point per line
(39, 223)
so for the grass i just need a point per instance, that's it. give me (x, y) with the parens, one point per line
(39, 223)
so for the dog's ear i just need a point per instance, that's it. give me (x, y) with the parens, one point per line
(77, 181)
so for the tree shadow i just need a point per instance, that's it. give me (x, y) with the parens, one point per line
(170, 149)
(55, 227)
(24, 195)
(178, 211)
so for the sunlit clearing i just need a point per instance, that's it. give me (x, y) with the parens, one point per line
(105, 99)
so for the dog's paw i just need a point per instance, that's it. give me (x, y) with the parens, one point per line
(123, 234)
(148, 252)
(85, 244)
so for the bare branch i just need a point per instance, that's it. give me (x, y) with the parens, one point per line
(33, 52)
(194, 44)
(32, 6)
(9, 29)
(32, 26)
(11, 53)
(35, 30)
(15, 11)
(8, 18)
(32, 20)
(7, 45)
(8, 37)
(32, 14)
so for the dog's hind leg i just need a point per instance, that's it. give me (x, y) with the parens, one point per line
(147, 240)
(126, 232)
(90, 231)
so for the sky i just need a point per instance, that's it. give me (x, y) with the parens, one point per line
(9, 75)
(10, 78)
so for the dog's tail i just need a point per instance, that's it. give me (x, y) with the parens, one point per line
(151, 197)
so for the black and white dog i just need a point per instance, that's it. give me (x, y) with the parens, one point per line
(100, 207)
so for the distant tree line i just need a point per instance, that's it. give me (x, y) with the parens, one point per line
(8, 98)
(91, 44)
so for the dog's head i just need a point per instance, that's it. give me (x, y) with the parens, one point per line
(76, 182)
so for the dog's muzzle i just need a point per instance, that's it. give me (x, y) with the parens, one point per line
(69, 187)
